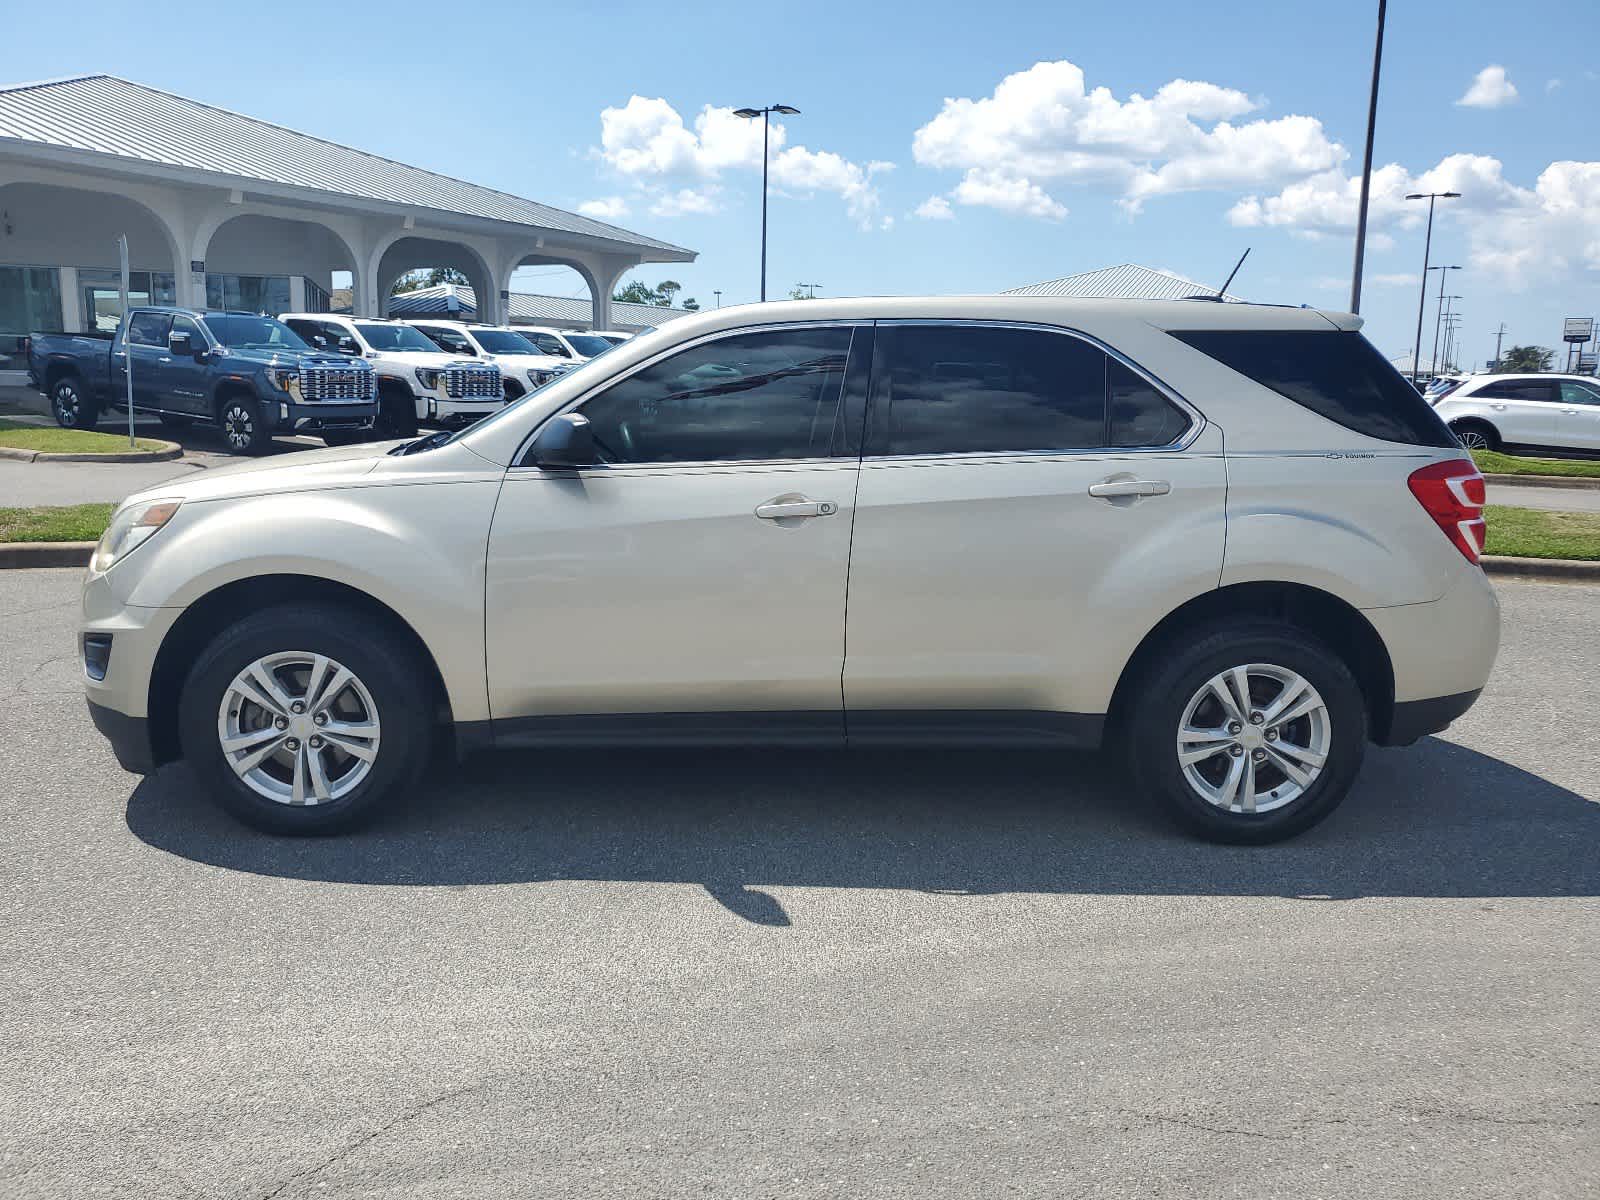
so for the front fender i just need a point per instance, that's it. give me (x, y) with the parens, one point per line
(419, 550)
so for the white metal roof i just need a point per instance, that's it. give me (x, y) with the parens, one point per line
(106, 115)
(1126, 281)
(526, 307)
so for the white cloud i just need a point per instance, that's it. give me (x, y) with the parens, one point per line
(1518, 236)
(1045, 125)
(1490, 89)
(1008, 193)
(647, 142)
(935, 208)
(1551, 85)
(607, 208)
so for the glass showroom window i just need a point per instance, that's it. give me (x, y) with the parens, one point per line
(248, 293)
(30, 301)
(102, 294)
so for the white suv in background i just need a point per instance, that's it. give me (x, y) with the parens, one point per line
(1229, 541)
(523, 367)
(563, 343)
(1524, 412)
(416, 380)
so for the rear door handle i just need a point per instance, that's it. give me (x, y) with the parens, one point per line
(1130, 487)
(784, 507)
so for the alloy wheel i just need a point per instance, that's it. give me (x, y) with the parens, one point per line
(238, 426)
(299, 728)
(1254, 738)
(68, 407)
(1472, 439)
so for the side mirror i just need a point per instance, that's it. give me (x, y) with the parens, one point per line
(178, 343)
(565, 441)
(348, 345)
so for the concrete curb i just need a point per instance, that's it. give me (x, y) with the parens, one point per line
(168, 452)
(1566, 570)
(22, 555)
(1545, 481)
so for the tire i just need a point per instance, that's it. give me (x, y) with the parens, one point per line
(397, 415)
(382, 701)
(243, 430)
(344, 437)
(175, 420)
(1178, 687)
(71, 406)
(1476, 435)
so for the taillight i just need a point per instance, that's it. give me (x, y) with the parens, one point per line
(1453, 494)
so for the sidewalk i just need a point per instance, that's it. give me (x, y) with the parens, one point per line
(1549, 499)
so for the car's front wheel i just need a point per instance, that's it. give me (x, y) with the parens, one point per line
(243, 429)
(1475, 435)
(1248, 734)
(305, 720)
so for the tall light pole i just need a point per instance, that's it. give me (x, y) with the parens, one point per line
(1366, 166)
(812, 286)
(718, 295)
(1443, 272)
(1427, 247)
(766, 125)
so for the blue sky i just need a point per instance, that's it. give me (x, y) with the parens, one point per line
(1246, 128)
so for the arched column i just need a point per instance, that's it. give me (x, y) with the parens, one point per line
(288, 242)
(393, 256)
(600, 272)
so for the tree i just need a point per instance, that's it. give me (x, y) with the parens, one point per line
(636, 293)
(1524, 359)
(666, 290)
(412, 281)
(660, 296)
(691, 305)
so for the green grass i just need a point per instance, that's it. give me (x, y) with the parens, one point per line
(1491, 463)
(75, 523)
(48, 439)
(1530, 533)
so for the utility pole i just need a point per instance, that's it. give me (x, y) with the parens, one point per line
(1366, 167)
(1498, 334)
(718, 295)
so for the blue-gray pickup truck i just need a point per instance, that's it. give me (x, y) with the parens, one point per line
(250, 375)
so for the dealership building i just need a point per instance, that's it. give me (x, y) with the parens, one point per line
(227, 211)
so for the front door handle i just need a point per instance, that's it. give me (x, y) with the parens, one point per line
(1130, 487)
(783, 508)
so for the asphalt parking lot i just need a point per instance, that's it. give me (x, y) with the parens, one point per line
(799, 974)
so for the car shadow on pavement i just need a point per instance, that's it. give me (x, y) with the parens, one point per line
(1436, 819)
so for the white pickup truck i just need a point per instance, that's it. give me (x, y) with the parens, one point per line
(417, 381)
(523, 367)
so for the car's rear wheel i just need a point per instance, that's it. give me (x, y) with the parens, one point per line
(305, 720)
(71, 406)
(397, 415)
(1248, 734)
(1475, 435)
(243, 429)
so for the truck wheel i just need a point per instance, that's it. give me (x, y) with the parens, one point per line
(305, 719)
(1247, 733)
(397, 415)
(73, 409)
(242, 427)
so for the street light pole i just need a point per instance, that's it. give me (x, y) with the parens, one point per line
(1366, 167)
(718, 295)
(766, 125)
(1427, 248)
(1439, 315)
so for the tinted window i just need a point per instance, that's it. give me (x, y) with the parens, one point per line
(1335, 374)
(746, 398)
(148, 329)
(253, 333)
(1578, 393)
(448, 339)
(498, 341)
(306, 329)
(1139, 414)
(953, 389)
(1519, 389)
(547, 344)
(588, 344)
(393, 337)
(197, 340)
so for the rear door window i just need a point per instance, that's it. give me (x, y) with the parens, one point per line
(1541, 391)
(972, 389)
(1336, 374)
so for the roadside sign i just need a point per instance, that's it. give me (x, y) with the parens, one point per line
(1587, 363)
(1577, 329)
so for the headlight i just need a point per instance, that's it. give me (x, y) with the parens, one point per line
(285, 379)
(131, 526)
(428, 377)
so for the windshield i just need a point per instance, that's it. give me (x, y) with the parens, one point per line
(596, 366)
(395, 337)
(498, 341)
(241, 332)
(588, 344)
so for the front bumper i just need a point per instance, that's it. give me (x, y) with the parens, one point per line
(119, 700)
(306, 417)
(129, 738)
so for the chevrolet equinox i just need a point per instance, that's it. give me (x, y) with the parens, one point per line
(1227, 540)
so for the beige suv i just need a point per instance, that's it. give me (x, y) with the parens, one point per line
(1229, 540)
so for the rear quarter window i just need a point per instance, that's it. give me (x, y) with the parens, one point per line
(1336, 374)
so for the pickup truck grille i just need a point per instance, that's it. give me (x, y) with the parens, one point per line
(336, 383)
(472, 383)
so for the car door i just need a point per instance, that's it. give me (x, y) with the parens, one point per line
(183, 380)
(1523, 410)
(691, 584)
(1578, 418)
(146, 345)
(1029, 506)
